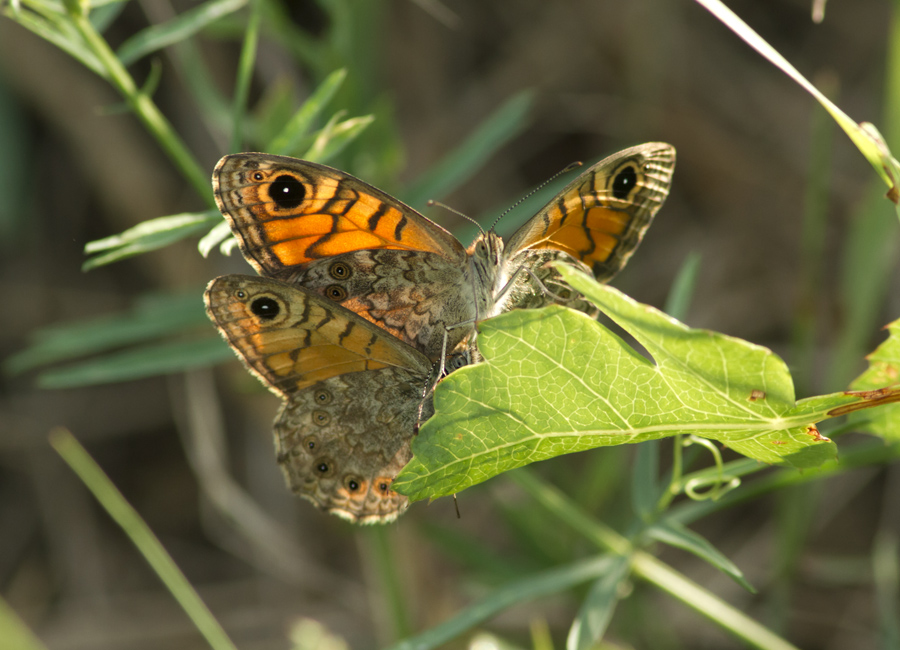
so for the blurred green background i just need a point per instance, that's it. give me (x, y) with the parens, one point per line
(193, 453)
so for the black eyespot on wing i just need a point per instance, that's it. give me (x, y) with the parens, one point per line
(340, 271)
(324, 467)
(287, 192)
(624, 182)
(311, 443)
(265, 307)
(322, 418)
(336, 292)
(322, 396)
(258, 176)
(352, 483)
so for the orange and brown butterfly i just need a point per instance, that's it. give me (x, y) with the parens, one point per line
(352, 392)
(322, 229)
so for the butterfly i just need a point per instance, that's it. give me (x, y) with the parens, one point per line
(352, 392)
(313, 226)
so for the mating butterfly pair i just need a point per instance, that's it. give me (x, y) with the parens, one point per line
(362, 296)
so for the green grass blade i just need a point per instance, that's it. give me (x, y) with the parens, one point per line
(244, 76)
(534, 586)
(14, 634)
(138, 363)
(597, 609)
(863, 136)
(300, 123)
(674, 534)
(335, 136)
(217, 234)
(59, 33)
(147, 236)
(679, 299)
(152, 317)
(185, 25)
(465, 161)
(141, 536)
(645, 488)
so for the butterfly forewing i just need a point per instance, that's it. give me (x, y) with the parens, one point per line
(601, 216)
(287, 212)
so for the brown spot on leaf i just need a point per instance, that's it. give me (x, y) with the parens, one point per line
(867, 399)
(756, 395)
(813, 430)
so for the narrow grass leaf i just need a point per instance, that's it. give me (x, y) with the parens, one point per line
(645, 485)
(555, 381)
(864, 136)
(535, 586)
(335, 136)
(141, 536)
(148, 236)
(58, 32)
(883, 371)
(14, 634)
(139, 363)
(244, 76)
(219, 233)
(682, 291)
(152, 317)
(674, 534)
(183, 26)
(465, 161)
(103, 14)
(597, 609)
(287, 140)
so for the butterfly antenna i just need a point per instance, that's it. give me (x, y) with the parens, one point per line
(438, 204)
(564, 170)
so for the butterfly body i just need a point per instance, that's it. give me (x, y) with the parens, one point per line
(337, 236)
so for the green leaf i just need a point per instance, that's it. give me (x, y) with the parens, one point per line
(883, 371)
(542, 584)
(334, 136)
(298, 127)
(138, 363)
(554, 382)
(147, 236)
(57, 29)
(183, 26)
(645, 488)
(14, 634)
(682, 291)
(465, 161)
(217, 234)
(597, 609)
(152, 317)
(674, 534)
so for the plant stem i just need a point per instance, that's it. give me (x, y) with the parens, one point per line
(649, 568)
(144, 108)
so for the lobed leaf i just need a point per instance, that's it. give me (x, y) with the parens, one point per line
(555, 382)
(883, 372)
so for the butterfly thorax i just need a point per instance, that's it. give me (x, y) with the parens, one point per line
(486, 273)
